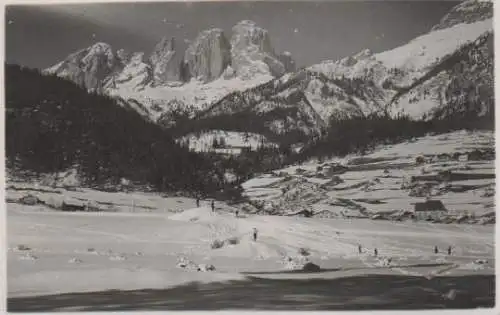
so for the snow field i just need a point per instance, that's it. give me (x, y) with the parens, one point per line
(122, 251)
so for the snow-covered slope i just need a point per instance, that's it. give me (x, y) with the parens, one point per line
(388, 181)
(462, 84)
(194, 96)
(392, 71)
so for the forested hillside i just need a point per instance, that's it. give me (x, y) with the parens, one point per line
(53, 125)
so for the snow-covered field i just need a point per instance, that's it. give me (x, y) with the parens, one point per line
(82, 252)
(386, 180)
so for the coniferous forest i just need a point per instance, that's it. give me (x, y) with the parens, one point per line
(53, 124)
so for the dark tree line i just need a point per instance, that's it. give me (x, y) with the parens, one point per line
(52, 125)
(361, 134)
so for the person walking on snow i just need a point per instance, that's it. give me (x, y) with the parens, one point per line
(436, 250)
(254, 234)
(375, 252)
(449, 250)
(197, 202)
(360, 249)
(213, 205)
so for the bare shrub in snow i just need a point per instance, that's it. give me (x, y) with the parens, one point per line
(304, 251)
(206, 267)
(217, 244)
(419, 160)
(22, 247)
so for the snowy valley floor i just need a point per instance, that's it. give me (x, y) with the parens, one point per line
(70, 261)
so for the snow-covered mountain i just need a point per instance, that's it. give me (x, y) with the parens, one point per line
(212, 66)
(413, 78)
(252, 52)
(91, 66)
(445, 72)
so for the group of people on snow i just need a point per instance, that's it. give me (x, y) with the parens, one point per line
(375, 251)
(212, 204)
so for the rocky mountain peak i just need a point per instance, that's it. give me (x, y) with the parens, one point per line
(164, 64)
(122, 55)
(468, 11)
(252, 52)
(286, 59)
(88, 67)
(208, 55)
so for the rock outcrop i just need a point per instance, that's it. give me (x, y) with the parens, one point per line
(164, 64)
(208, 55)
(87, 67)
(252, 53)
(286, 59)
(469, 11)
(135, 72)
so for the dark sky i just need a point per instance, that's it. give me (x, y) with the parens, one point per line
(40, 36)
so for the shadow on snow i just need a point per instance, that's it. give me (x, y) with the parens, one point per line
(351, 293)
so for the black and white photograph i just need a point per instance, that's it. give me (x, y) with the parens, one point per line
(249, 156)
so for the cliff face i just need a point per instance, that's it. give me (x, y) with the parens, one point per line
(208, 55)
(248, 56)
(135, 72)
(252, 52)
(164, 64)
(286, 59)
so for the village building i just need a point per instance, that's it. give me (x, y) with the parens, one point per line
(430, 209)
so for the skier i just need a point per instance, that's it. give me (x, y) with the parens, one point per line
(254, 234)
(375, 252)
(436, 250)
(449, 250)
(213, 205)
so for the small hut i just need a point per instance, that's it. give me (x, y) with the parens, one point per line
(429, 209)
